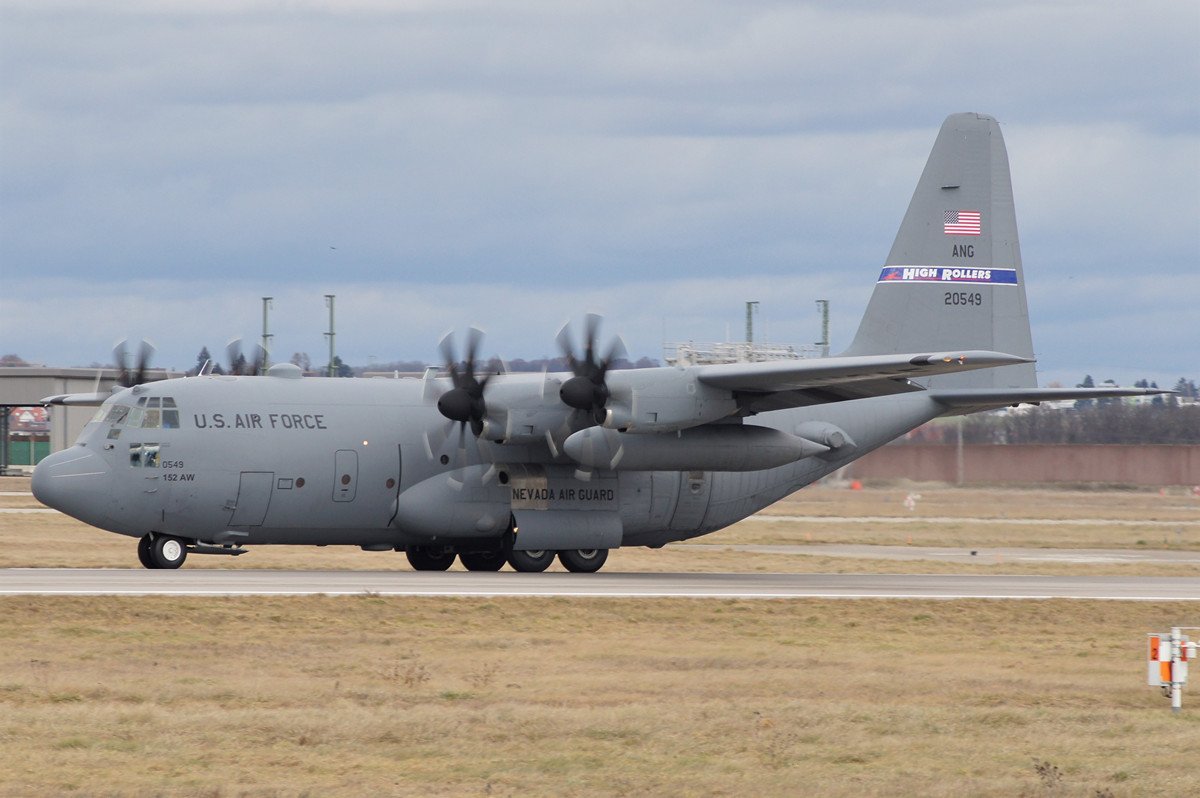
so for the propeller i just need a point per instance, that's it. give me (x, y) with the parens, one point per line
(239, 366)
(127, 377)
(464, 402)
(587, 390)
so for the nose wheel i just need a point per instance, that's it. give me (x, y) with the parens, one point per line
(161, 551)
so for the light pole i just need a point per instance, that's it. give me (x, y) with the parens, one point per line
(266, 338)
(329, 303)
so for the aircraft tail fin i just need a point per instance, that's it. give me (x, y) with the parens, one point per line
(953, 279)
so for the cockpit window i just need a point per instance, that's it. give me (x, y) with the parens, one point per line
(153, 413)
(156, 418)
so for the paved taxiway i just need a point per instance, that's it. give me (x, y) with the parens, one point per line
(978, 556)
(205, 582)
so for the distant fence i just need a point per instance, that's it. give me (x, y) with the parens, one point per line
(1033, 464)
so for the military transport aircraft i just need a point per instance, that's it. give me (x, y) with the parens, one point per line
(523, 468)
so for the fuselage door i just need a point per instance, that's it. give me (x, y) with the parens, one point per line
(254, 496)
(693, 500)
(345, 474)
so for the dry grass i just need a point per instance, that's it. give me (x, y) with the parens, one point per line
(368, 696)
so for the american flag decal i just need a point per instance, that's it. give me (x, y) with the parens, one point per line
(962, 223)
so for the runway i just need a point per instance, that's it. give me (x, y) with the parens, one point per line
(207, 582)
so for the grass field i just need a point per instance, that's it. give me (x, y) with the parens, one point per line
(380, 696)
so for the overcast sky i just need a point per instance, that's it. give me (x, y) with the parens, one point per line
(163, 165)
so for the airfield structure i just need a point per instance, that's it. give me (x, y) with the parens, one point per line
(692, 353)
(1167, 665)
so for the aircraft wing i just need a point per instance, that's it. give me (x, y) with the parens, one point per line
(94, 399)
(774, 385)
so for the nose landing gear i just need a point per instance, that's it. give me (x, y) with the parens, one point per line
(161, 551)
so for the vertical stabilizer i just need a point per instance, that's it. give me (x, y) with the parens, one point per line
(953, 279)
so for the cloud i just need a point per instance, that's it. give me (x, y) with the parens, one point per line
(472, 163)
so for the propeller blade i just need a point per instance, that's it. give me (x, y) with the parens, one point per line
(464, 402)
(135, 373)
(565, 346)
(123, 374)
(474, 336)
(587, 391)
(145, 352)
(446, 347)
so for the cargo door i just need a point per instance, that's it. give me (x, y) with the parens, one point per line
(345, 475)
(253, 499)
(664, 494)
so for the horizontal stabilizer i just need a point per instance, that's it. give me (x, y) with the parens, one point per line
(983, 398)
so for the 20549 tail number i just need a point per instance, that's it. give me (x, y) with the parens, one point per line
(969, 298)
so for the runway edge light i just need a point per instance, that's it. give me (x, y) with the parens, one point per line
(1167, 663)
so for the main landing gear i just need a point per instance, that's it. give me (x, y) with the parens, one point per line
(583, 561)
(429, 559)
(579, 561)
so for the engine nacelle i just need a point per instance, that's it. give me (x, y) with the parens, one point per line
(661, 400)
(718, 447)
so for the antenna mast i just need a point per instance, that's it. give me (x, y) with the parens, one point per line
(823, 306)
(751, 307)
(266, 341)
(329, 304)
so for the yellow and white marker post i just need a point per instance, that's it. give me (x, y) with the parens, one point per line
(1167, 663)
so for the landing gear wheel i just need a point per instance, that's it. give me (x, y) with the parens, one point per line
(167, 552)
(583, 561)
(144, 544)
(531, 562)
(422, 559)
(482, 560)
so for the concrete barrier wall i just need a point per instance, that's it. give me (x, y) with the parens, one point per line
(1032, 464)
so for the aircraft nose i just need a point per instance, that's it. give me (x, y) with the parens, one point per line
(74, 481)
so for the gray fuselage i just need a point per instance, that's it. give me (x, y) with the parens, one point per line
(371, 462)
